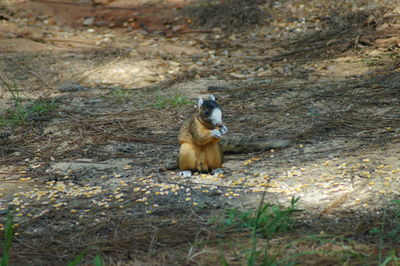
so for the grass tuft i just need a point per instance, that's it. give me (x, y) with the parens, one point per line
(263, 222)
(171, 101)
(23, 110)
(268, 219)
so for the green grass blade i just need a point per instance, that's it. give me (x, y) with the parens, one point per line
(8, 239)
(391, 257)
(98, 260)
(253, 253)
(78, 258)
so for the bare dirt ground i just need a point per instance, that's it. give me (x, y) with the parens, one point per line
(95, 172)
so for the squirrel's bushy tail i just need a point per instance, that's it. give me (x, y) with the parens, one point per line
(252, 145)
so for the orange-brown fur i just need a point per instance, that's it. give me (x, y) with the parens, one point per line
(199, 150)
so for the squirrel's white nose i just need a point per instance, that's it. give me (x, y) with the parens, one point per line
(216, 117)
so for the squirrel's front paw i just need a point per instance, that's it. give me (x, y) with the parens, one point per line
(223, 130)
(216, 133)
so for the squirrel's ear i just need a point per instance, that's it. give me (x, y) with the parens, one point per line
(212, 97)
(199, 102)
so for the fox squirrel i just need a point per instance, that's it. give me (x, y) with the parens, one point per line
(200, 139)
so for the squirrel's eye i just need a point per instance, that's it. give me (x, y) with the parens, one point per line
(206, 112)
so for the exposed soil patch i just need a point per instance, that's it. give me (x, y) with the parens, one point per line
(93, 94)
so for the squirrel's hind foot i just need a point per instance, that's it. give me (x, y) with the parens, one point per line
(186, 173)
(218, 171)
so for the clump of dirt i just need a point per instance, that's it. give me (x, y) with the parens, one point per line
(228, 15)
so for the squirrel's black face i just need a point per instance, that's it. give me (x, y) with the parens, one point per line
(210, 112)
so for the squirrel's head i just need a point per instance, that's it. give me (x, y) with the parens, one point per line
(209, 112)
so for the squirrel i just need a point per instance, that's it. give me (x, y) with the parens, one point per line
(201, 148)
